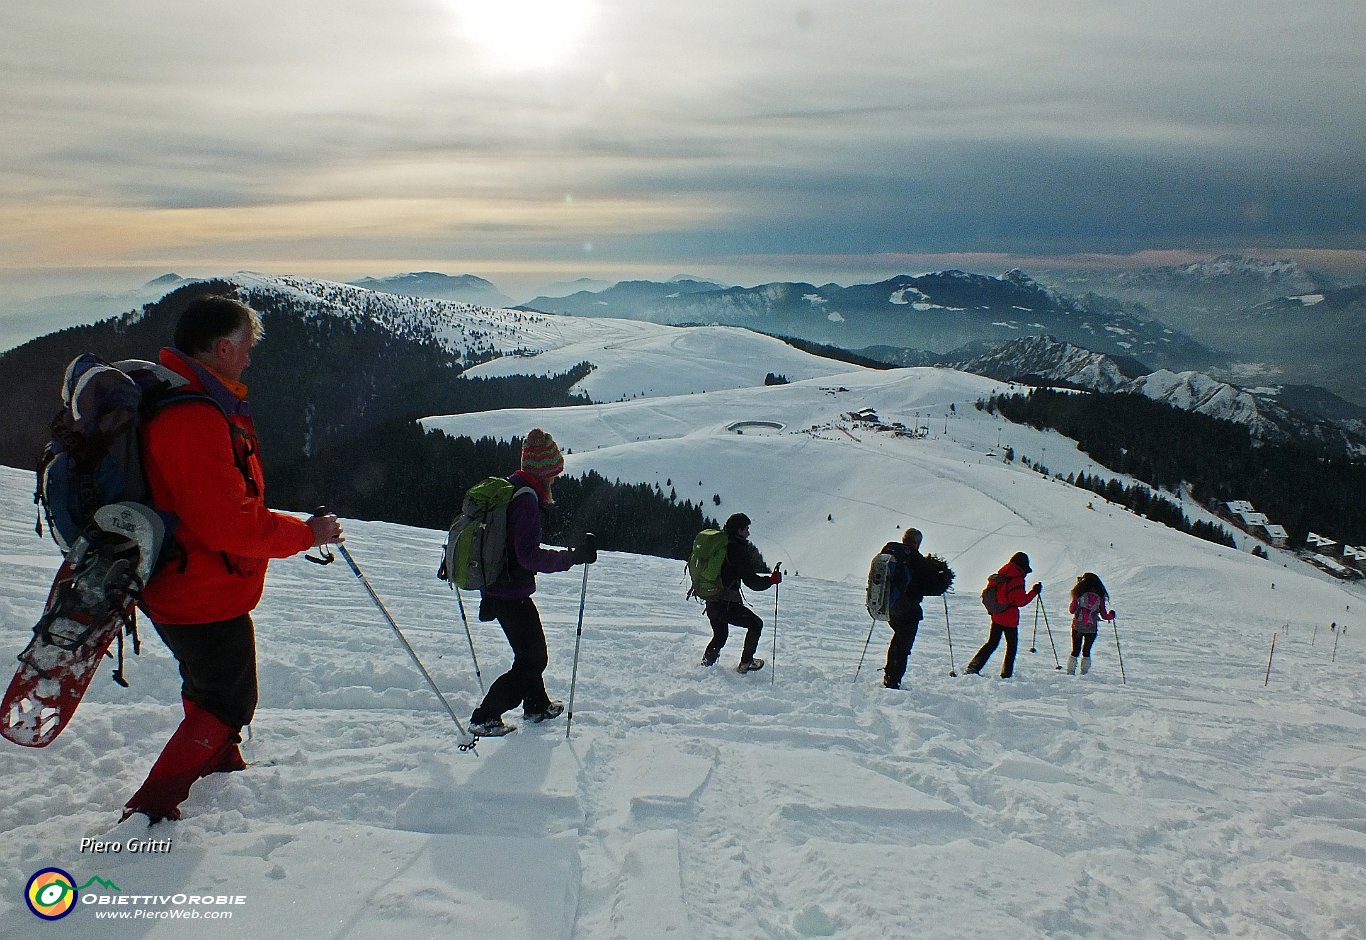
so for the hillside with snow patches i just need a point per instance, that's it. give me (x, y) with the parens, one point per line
(632, 358)
(1193, 795)
(639, 359)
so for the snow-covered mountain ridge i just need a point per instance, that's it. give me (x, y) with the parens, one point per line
(1046, 359)
(940, 311)
(1050, 359)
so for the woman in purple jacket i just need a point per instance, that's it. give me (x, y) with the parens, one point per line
(508, 600)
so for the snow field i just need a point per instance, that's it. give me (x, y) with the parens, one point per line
(1190, 802)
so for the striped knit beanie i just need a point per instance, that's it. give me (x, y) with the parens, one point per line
(541, 456)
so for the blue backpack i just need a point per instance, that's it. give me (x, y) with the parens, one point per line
(94, 456)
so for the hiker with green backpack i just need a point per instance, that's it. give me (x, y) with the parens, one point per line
(720, 562)
(508, 581)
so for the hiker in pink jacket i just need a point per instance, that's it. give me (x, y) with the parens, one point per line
(1088, 608)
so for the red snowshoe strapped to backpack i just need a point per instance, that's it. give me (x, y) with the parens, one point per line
(93, 493)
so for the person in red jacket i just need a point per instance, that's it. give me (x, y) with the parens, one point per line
(203, 466)
(508, 600)
(1010, 591)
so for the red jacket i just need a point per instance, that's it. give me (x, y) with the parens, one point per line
(1010, 590)
(210, 478)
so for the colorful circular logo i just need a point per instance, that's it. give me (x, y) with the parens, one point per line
(51, 894)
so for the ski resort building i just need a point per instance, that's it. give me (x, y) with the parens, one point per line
(1242, 514)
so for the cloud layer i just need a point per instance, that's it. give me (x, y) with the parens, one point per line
(258, 133)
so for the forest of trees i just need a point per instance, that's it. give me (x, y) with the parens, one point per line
(400, 474)
(1151, 505)
(1298, 484)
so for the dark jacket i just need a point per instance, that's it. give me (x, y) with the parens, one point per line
(742, 565)
(526, 556)
(906, 606)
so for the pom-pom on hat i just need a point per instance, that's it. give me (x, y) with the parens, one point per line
(541, 456)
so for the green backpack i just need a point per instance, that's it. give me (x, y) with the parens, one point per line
(476, 549)
(704, 564)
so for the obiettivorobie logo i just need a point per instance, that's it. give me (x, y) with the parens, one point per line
(52, 893)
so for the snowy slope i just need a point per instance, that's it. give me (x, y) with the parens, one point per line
(647, 360)
(631, 358)
(1191, 801)
(822, 488)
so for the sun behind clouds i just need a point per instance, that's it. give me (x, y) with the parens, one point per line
(523, 34)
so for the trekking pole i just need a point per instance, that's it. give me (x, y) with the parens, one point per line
(1124, 680)
(953, 670)
(773, 664)
(1036, 630)
(865, 648)
(469, 636)
(1057, 663)
(1269, 655)
(578, 636)
(472, 739)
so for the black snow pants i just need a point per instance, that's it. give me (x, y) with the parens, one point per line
(1012, 638)
(524, 683)
(217, 666)
(724, 614)
(899, 650)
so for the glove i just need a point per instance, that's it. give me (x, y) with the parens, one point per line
(776, 577)
(586, 553)
(1038, 589)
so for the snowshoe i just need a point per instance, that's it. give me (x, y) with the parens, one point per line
(749, 665)
(493, 728)
(92, 603)
(553, 710)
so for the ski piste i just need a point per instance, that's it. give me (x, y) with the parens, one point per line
(56, 667)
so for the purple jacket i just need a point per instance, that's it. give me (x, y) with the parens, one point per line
(525, 554)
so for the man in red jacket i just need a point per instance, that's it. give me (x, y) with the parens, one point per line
(1010, 591)
(203, 466)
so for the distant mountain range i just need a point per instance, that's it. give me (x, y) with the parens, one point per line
(1273, 413)
(941, 308)
(463, 288)
(936, 312)
(1226, 284)
(1276, 321)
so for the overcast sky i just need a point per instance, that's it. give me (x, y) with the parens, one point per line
(747, 140)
